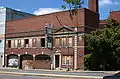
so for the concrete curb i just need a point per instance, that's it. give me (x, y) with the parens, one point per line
(111, 72)
(50, 75)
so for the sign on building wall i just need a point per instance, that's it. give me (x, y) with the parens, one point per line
(49, 38)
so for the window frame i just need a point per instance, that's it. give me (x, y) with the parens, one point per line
(65, 60)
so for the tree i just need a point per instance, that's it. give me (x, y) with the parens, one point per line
(87, 60)
(104, 45)
(73, 4)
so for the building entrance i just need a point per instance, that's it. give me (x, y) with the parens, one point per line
(57, 58)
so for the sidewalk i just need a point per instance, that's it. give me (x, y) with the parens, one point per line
(57, 73)
(50, 75)
(111, 72)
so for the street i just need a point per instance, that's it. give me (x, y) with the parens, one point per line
(49, 74)
(28, 77)
(23, 77)
(100, 74)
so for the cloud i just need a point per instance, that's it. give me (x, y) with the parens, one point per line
(18, 9)
(1, 7)
(107, 2)
(42, 11)
(104, 2)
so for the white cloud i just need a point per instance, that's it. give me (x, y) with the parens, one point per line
(18, 9)
(42, 11)
(107, 2)
(104, 2)
(1, 7)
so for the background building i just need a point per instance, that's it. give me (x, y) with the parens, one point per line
(114, 15)
(7, 14)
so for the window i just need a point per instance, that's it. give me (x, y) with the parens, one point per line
(12, 43)
(26, 42)
(57, 42)
(15, 43)
(34, 42)
(63, 42)
(42, 42)
(67, 60)
(70, 41)
(30, 42)
(9, 43)
(38, 43)
(22, 43)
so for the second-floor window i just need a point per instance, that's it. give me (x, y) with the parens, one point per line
(26, 42)
(30, 43)
(63, 42)
(70, 41)
(9, 43)
(57, 42)
(42, 42)
(22, 43)
(15, 43)
(12, 43)
(38, 42)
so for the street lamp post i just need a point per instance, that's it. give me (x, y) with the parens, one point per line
(68, 52)
(75, 50)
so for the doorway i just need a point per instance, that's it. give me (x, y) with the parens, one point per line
(57, 59)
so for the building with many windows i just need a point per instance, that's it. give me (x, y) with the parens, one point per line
(7, 14)
(50, 41)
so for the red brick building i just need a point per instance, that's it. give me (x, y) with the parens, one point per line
(113, 15)
(52, 40)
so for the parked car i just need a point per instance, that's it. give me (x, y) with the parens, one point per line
(115, 76)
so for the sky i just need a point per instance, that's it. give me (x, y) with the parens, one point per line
(40, 7)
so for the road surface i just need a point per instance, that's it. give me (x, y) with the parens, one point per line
(100, 74)
(27, 77)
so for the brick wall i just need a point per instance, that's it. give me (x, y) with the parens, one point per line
(30, 51)
(115, 15)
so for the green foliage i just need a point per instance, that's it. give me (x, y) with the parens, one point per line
(104, 45)
(72, 4)
(87, 61)
(112, 23)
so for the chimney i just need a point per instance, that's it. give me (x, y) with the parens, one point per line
(93, 5)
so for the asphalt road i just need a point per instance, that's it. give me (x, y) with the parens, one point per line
(100, 74)
(27, 77)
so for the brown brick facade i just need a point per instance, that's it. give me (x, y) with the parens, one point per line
(65, 25)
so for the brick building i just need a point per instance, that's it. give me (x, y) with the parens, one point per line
(7, 14)
(113, 15)
(50, 41)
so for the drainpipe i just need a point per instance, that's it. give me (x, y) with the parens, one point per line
(75, 49)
